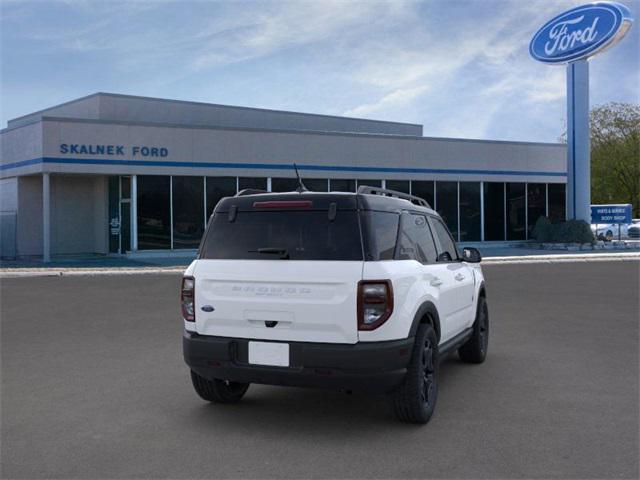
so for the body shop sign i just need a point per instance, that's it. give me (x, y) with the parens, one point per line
(581, 32)
(611, 213)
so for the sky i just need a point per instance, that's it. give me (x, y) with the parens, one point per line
(460, 68)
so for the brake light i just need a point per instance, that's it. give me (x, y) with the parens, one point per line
(375, 303)
(284, 204)
(187, 296)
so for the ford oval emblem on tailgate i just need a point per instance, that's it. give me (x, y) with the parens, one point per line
(207, 308)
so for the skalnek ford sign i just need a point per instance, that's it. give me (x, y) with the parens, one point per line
(112, 150)
(581, 32)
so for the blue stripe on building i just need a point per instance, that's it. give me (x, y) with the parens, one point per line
(273, 166)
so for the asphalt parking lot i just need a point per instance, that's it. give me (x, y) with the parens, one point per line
(94, 386)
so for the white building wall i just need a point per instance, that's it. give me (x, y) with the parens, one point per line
(78, 215)
(29, 230)
(202, 145)
(8, 216)
(9, 194)
(20, 144)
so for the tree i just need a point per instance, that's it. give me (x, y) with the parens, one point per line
(615, 154)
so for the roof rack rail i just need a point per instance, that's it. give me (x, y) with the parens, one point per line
(365, 189)
(249, 191)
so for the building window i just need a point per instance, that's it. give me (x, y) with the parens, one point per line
(536, 204)
(254, 183)
(316, 184)
(370, 183)
(423, 189)
(516, 211)
(285, 184)
(447, 202)
(217, 189)
(154, 217)
(557, 202)
(342, 185)
(398, 185)
(470, 211)
(493, 211)
(188, 211)
(125, 187)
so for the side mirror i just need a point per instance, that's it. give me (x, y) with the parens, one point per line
(471, 255)
(444, 257)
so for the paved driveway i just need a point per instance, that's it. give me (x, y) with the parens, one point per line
(93, 386)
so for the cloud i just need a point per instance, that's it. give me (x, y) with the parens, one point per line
(458, 67)
(397, 98)
(284, 25)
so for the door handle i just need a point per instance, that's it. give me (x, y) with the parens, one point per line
(459, 277)
(436, 282)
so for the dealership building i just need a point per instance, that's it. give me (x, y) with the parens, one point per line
(125, 175)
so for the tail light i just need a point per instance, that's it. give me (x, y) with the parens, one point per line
(375, 303)
(187, 299)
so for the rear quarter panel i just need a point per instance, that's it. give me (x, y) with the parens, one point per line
(410, 290)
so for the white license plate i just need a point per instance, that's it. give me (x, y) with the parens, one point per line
(269, 353)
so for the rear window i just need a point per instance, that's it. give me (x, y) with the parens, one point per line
(274, 235)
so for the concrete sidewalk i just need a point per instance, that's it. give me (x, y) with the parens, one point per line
(105, 265)
(96, 261)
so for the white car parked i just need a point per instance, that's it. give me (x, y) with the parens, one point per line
(606, 231)
(351, 291)
(633, 230)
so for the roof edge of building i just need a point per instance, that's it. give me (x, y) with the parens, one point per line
(75, 100)
(217, 105)
(269, 130)
(256, 109)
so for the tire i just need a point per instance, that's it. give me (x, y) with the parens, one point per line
(218, 391)
(475, 349)
(414, 401)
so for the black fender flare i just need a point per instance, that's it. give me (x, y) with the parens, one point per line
(427, 308)
(482, 291)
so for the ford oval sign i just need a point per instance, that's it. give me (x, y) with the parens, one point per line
(581, 32)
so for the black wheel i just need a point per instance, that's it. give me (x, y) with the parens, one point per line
(218, 391)
(415, 400)
(475, 349)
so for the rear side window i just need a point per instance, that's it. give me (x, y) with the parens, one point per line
(447, 245)
(381, 233)
(275, 235)
(415, 241)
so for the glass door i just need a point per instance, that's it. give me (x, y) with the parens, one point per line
(125, 215)
(125, 226)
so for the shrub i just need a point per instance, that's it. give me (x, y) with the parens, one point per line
(543, 230)
(571, 231)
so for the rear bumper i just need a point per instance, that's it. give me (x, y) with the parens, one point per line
(370, 367)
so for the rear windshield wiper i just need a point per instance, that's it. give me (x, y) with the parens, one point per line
(284, 254)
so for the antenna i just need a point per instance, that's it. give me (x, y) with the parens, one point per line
(301, 188)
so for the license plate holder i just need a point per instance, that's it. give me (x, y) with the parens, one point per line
(269, 353)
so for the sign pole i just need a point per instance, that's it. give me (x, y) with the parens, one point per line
(578, 142)
(571, 38)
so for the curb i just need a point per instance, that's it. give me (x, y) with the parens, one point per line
(75, 272)
(565, 258)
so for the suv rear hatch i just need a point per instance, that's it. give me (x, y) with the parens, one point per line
(281, 267)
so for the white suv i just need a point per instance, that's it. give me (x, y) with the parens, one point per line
(352, 291)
